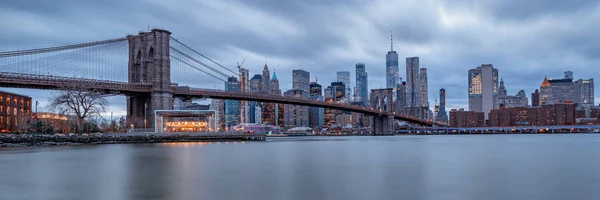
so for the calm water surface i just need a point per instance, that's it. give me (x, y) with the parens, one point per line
(397, 167)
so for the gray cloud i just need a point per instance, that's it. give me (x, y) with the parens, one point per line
(524, 40)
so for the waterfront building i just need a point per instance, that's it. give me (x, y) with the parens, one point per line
(557, 114)
(423, 87)
(301, 80)
(483, 89)
(344, 77)
(462, 118)
(391, 66)
(232, 111)
(14, 109)
(413, 84)
(362, 85)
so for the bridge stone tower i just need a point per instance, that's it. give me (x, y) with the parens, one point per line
(149, 62)
(381, 99)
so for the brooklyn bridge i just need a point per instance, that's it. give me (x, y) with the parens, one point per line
(150, 69)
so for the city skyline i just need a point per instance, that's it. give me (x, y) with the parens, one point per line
(444, 40)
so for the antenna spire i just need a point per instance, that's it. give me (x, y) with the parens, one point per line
(391, 41)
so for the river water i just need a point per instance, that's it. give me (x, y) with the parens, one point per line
(305, 168)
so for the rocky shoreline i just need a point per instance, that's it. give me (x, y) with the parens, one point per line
(33, 140)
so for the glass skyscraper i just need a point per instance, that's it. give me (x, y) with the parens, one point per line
(300, 80)
(391, 67)
(232, 107)
(344, 77)
(362, 91)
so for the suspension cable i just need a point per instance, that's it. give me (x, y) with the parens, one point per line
(204, 56)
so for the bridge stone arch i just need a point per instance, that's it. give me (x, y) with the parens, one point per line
(381, 100)
(149, 62)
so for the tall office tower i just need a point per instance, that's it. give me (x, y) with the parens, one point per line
(584, 92)
(270, 111)
(442, 116)
(232, 110)
(391, 66)
(535, 98)
(362, 85)
(413, 84)
(266, 79)
(274, 85)
(316, 89)
(424, 94)
(344, 77)
(400, 102)
(255, 86)
(339, 91)
(294, 115)
(483, 89)
(300, 80)
(316, 114)
(244, 105)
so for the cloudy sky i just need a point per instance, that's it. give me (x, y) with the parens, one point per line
(525, 40)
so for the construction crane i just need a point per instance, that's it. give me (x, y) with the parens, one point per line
(239, 65)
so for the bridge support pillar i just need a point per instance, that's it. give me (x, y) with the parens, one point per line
(383, 125)
(149, 63)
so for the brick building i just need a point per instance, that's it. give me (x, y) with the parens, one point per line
(462, 118)
(544, 115)
(13, 108)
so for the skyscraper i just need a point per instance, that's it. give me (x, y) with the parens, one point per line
(362, 91)
(535, 98)
(400, 102)
(391, 66)
(272, 113)
(344, 77)
(339, 91)
(442, 116)
(255, 86)
(424, 94)
(300, 80)
(483, 89)
(266, 79)
(294, 115)
(316, 114)
(232, 110)
(413, 84)
(274, 85)
(244, 106)
(584, 92)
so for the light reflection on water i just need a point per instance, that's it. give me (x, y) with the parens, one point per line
(401, 167)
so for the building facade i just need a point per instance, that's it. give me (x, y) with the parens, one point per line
(232, 107)
(584, 92)
(483, 88)
(361, 93)
(413, 84)
(391, 67)
(295, 115)
(301, 80)
(344, 77)
(14, 112)
(462, 118)
(442, 115)
(557, 114)
(535, 98)
(423, 87)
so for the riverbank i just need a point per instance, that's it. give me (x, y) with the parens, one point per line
(21, 140)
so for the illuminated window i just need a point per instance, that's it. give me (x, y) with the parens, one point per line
(8, 101)
(15, 102)
(15, 111)
(7, 110)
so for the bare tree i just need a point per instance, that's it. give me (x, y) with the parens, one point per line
(78, 103)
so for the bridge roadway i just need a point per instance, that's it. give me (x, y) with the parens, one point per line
(262, 97)
(63, 83)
